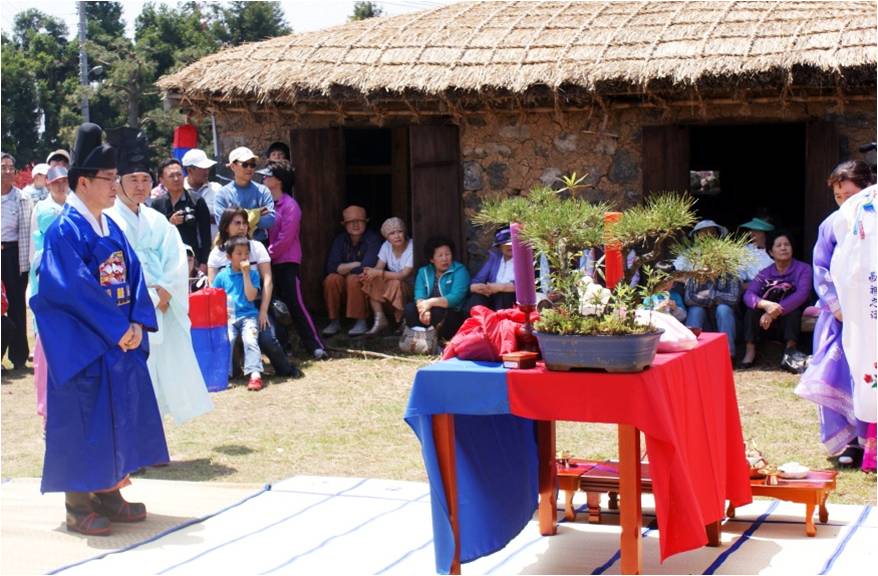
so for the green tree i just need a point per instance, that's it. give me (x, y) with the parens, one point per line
(51, 59)
(241, 22)
(20, 118)
(364, 10)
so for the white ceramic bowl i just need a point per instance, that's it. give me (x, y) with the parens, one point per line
(793, 470)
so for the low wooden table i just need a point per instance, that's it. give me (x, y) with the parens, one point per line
(812, 491)
(599, 477)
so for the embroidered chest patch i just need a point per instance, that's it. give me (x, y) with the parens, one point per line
(113, 277)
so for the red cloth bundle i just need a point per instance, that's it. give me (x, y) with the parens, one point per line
(487, 335)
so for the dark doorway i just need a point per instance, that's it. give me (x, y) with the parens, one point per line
(369, 172)
(751, 170)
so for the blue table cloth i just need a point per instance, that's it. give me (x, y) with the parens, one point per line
(495, 457)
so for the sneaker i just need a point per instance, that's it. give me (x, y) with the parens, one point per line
(255, 384)
(332, 329)
(113, 506)
(87, 522)
(379, 326)
(359, 328)
(320, 354)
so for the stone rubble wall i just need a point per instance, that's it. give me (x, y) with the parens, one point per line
(510, 154)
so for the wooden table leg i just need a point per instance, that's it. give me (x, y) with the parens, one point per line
(546, 455)
(569, 510)
(824, 513)
(810, 529)
(443, 437)
(630, 514)
(714, 529)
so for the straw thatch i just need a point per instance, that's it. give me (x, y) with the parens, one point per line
(512, 47)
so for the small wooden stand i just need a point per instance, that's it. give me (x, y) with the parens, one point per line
(812, 491)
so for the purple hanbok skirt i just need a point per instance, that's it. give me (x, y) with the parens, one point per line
(827, 383)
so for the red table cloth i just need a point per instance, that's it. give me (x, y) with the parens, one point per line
(685, 404)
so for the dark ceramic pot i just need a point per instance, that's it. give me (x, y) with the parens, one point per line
(624, 353)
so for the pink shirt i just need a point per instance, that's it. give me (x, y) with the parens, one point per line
(283, 237)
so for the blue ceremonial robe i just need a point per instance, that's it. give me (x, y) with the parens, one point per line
(103, 420)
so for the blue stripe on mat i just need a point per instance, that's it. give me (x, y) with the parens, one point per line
(340, 534)
(162, 534)
(404, 556)
(364, 496)
(615, 557)
(273, 524)
(718, 561)
(844, 542)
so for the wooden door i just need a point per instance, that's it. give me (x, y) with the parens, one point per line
(821, 156)
(436, 187)
(318, 156)
(665, 159)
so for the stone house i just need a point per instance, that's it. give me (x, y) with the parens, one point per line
(424, 115)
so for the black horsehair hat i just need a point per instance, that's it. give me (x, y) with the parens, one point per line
(90, 154)
(132, 147)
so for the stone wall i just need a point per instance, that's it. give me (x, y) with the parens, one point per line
(510, 154)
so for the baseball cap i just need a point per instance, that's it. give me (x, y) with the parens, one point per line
(502, 237)
(241, 154)
(197, 158)
(58, 152)
(40, 169)
(56, 173)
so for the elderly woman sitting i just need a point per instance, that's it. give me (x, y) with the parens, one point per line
(775, 300)
(494, 285)
(388, 282)
(440, 290)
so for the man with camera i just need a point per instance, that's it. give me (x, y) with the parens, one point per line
(190, 215)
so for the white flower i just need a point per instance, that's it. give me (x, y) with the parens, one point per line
(593, 299)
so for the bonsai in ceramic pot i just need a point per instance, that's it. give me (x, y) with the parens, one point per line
(565, 227)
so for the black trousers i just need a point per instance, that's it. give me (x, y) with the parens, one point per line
(288, 289)
(785, 328)
(448, 320)
(16, 287)
(498, 301)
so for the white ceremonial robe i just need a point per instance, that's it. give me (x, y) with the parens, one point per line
(854, 267)
(176, 377)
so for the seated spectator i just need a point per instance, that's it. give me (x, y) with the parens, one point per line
(759, 258)
(441, 288)
(352, 250)
(197, 278)
(234, 223)
(668, 300)
(775, 301)
(242, 289)
(711, 301)
(388, 283)
(494, 285)
(188, 213)
(247, 194)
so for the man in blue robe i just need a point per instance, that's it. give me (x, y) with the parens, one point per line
(91, 310)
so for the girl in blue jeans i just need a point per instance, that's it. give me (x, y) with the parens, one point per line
(242, 288)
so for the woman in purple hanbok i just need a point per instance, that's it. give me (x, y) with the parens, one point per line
(827, 381)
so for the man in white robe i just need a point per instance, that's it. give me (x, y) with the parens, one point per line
(173, 368)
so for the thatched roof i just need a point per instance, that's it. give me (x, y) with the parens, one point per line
(512, 47)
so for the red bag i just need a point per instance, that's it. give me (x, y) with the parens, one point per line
(487, 335)
(208, 308)
(5, 301)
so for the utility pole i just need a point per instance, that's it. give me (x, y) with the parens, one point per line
(83, 61)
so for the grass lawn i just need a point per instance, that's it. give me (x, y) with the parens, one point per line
(345, 419)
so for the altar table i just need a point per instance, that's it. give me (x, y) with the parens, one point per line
(487, 438)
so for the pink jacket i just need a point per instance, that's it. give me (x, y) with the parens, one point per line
(283, 237)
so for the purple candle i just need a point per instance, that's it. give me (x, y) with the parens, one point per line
(523, 262)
